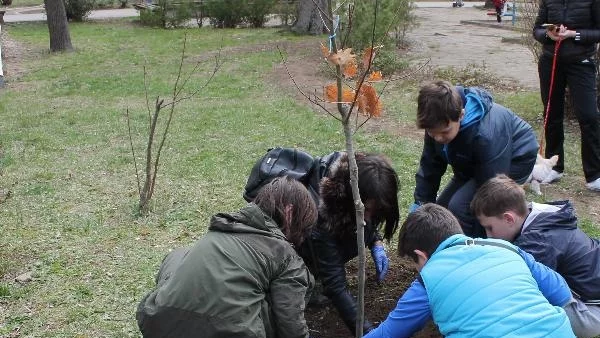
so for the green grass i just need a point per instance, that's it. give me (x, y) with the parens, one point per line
(65, 156)
(26, 3)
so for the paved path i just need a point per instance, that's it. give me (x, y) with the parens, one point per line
(37, 13)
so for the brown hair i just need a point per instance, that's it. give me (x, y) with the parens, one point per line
(425, 229)
(438, 104)
(378, 184)
(498, 195)
(275, 196)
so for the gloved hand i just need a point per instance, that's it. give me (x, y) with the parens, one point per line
(413, 207)
(381, 261)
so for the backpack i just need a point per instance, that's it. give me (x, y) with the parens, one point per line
(279, 162)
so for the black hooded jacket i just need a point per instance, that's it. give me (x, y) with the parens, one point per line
(554, 239)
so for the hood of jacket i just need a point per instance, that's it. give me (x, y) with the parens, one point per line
(477, 102)
(565, 218)
(250, 219)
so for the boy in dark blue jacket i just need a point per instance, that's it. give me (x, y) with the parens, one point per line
(477, 138)
(549, 232)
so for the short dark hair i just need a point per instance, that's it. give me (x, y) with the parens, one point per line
(438, 103)
(425, 229)
(273, 198)
(498, 195)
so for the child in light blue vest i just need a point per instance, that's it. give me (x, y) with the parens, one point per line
(473, 287)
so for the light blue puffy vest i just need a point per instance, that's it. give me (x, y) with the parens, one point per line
(488, 291)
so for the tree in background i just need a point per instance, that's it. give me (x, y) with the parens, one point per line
(310, 18)
(146, 177)
(58, 27)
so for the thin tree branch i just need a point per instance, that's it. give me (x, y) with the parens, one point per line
(300, 90)
(218, 65)
(322, 13)
(137, 176)
(146, 94)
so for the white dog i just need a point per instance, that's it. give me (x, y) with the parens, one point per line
(540, 173)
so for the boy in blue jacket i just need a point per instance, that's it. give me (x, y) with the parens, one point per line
(473, 287)
(549, 232)
(478, 138)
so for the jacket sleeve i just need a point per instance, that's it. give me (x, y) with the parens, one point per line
(410, 315)
(540, 247)
(331, 271)
(592, 34)
(539, 32)
(550, 283)
(431, 169)
(288, 291)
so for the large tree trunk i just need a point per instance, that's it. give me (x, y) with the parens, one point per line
(60, 39)
(309, 19)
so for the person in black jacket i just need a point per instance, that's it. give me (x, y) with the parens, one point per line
(477, 137)
(576, 25)
(332, 242)
(550, 234)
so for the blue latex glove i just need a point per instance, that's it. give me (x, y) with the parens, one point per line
(413, 207)
(381, 261)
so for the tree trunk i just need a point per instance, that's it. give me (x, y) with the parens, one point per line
(309, 19)
(60, 39)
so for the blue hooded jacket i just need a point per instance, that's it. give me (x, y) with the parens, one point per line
(490, 139)
(554, 239)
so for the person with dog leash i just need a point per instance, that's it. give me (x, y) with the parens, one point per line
(569, 32)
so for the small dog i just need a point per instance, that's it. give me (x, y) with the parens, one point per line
(541, 170)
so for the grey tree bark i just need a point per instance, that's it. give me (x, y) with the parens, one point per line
(309, 19)
(58, 27)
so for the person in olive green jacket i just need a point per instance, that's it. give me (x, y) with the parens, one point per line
(243, 278)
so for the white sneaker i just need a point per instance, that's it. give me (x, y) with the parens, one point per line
(594, 185)
(553, 177)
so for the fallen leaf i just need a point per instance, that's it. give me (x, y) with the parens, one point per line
(24, 278)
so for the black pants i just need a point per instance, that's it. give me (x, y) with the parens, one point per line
(581, 79)
(499, 13)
